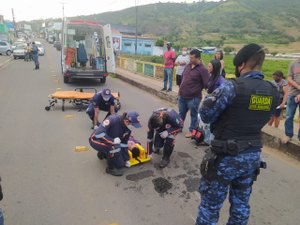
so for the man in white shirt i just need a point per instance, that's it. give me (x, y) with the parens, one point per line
(181, 61)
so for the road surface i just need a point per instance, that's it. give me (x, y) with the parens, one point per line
(45, 182)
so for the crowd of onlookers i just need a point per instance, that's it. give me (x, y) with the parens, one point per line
(192, 76)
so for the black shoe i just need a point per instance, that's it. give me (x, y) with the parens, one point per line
(164, 89)
(169, 90)
(164, 162)
(114, 172)
(100, 155)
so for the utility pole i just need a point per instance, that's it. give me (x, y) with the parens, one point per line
(14, 21)
(136, 25)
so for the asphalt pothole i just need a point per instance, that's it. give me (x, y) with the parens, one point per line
(161, 185)
(192, 184)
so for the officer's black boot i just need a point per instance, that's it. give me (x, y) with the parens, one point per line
(111, 169)
(114, 171)
(168, 149)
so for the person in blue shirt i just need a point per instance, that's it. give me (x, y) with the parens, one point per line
(237, 112)
(110, 139)
(102, 100)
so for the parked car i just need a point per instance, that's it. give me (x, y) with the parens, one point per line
(15, 44)
(5, 48)
(20, 51)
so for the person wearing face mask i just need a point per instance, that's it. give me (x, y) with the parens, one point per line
(282, 87)
(181, 61)
(163, 126)
(110, 139)
(237, 111)
(102, 100)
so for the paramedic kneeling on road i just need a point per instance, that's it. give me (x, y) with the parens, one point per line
(237, 112)
(164, 124)
(102, 100)
(111, 141)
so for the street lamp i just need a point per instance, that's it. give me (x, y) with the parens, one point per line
(136, 24)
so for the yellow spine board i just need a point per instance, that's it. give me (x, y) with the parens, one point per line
(143, 158)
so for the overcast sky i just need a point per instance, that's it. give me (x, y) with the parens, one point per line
(42, 9)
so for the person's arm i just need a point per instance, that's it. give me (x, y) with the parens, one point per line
(150, 137)
(96, 115)
(101, 134)
(176, 126)
(112, 109)
(293, 83)
(214, 104)
(177, 63)
(285, 96)
(205, 77)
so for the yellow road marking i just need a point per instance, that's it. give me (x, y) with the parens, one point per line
(70, 116)
(81, 149)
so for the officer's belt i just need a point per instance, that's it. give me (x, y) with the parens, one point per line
(233, 147)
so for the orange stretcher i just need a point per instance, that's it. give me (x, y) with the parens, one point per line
(80, 97)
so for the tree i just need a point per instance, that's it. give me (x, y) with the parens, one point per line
(160, 42)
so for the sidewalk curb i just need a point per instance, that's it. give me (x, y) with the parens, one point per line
(292, 148)
(5, 62)
(172, 97)
(270, 136)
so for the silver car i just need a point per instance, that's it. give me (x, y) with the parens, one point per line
(5, 48)
(20, 51)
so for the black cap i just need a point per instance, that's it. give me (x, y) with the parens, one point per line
(246, 53)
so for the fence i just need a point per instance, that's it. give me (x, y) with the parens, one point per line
(154, 70)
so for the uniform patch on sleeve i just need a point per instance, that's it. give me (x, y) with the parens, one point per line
(105, 123)
(260, 103)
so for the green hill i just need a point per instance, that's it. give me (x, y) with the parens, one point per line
(214, 23)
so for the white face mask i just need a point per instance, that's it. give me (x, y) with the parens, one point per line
(184, 53)
(130, 127)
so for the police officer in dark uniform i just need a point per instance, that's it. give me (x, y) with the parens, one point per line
(164, 124)
(111, 140)
(102, 100)
(237, 111)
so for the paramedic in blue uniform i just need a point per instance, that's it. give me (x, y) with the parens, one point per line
(110, 139)
(237, 111)
(102, 100)
(164, 124)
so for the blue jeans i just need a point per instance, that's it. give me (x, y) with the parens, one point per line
(238, 171)
(168, 75)
(184, 105)
(290, 113)
(35, 57)
(1, 217)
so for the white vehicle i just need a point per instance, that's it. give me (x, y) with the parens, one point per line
(20, 51)
(87, 51)
(5, 48)
(15, 44)
(40, 48)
